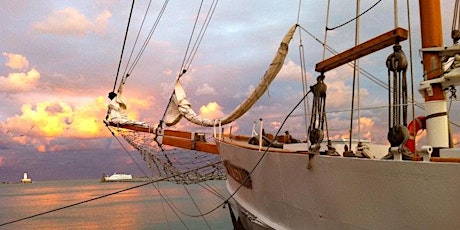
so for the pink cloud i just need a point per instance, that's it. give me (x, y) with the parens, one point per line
(60, 119)
(16, 61)
(291, 71)
(205, 89)
(211, 111)
(71, 21)
(18, 82)
(48, 124)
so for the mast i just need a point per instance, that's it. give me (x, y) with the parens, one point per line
(436, 108)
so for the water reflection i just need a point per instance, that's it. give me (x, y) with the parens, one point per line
(140, 208)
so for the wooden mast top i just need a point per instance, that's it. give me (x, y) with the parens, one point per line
(431, 29)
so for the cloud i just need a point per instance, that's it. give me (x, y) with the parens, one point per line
(70, 21)
(366, 125)
(38, 121)
(242, 94)
(58, 125)
(291, 71)
(100, 25)
(338, 91)
(18, 82)
(275, 125)
(52, 119)
(205, 89)
(211, 111)
(16, 61)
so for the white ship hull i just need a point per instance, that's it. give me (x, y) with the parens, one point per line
(117, 177)
(292, 191)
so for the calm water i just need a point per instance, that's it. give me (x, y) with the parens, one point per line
(139, 208)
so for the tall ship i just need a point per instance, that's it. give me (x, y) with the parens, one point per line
(278, 181)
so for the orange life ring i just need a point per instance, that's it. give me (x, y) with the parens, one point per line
(420, 124)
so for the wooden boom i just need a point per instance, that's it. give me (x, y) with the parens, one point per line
(387, 39)
(180, 139)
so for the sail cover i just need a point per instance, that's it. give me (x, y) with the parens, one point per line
(179, 106)
(116, 112)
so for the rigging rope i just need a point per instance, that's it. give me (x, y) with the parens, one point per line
(130, 69)
(367, 74)
(303, 70)
(325, 31)
(102, 196)
(182, 68)
(196, 206)
(355, 78)
(164, 199)
(123, 47)
(188, 57)
(336, 27)
(304, 81)
(260, 159)
(182, 177)
(455, 33)
(187, 60)
(411, 70)
(201, 34)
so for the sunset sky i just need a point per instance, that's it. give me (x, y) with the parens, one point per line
(59, 60)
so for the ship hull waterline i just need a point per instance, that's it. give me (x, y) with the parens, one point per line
(295, 191)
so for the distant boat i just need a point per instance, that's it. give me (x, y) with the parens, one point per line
(25, 179)
(117, 177)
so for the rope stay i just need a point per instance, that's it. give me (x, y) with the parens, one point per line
(129, 69)
(345, 23)
(364, 72)
(303, 71)
(189, 58)
(123, 48)
(356, 78)
(455, 33)
(191, 50)
(103, 196)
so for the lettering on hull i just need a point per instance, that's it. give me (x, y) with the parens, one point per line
(238, 174)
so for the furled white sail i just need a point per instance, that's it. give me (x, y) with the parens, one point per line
(116, 111)
(117, 107)
(179, 107)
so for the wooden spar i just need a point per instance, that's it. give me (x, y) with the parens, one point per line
(180, 139)
(133, 127)
(445, 159)
(387, 39)
(190, 144)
